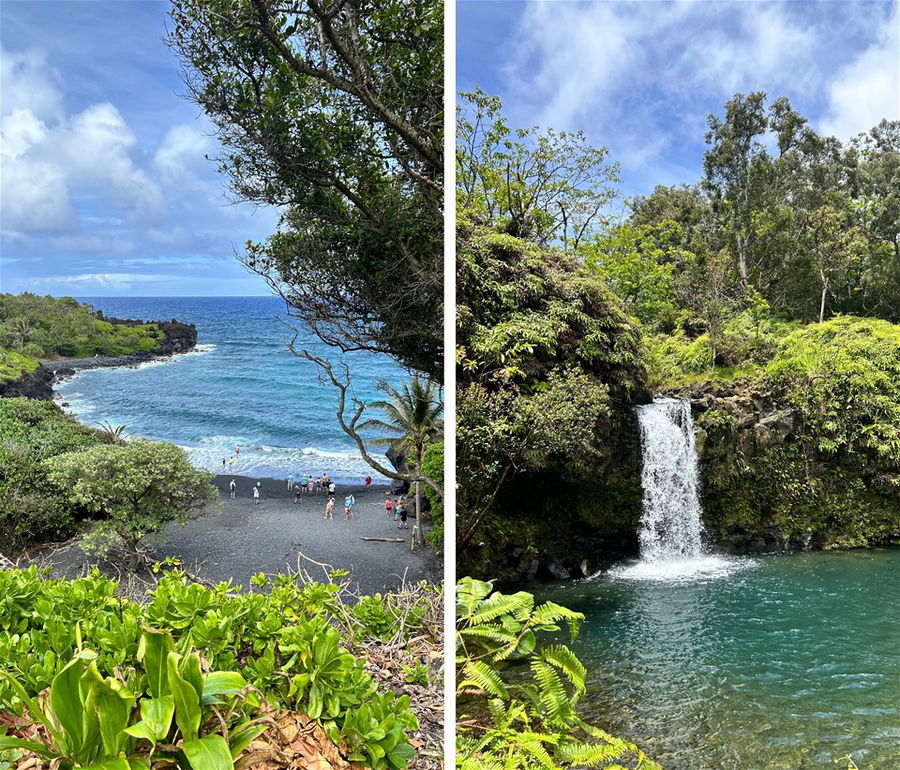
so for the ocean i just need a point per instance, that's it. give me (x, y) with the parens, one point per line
(241, 386)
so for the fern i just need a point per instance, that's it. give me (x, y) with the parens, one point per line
(528, 724)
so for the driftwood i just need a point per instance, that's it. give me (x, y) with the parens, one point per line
(384, 539)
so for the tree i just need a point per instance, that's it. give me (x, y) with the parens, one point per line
(333, 110)
(412, 416)
(541, 185)
(729, 162)
(137, 487)
(641, 264)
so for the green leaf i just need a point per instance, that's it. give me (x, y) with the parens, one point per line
(68, 703)
(156, 719)
(187, 701)
(119, 763)
(240, 738)
(113, 712)
(153, 649)
(8, 742)
(222, 683)
(208, 753)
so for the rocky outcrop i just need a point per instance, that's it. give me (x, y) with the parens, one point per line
(178, 338)
(768, 486)
(37, 384)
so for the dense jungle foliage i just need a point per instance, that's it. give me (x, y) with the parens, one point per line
(772, 282)
(55, 472)
(208, 668)
(33, 327)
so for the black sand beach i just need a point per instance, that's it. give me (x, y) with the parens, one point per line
(242, 538)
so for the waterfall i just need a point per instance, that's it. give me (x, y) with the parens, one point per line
(671, 529)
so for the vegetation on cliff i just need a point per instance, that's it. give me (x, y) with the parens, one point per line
(33, 327)
(546, 359)
(737, 290)
(816, 459)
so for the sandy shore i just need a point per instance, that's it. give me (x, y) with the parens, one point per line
(240, 538)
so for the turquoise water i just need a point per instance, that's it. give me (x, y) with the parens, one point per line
(242, 386)
(787, 661)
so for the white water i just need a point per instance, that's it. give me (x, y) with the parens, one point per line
(671, 534)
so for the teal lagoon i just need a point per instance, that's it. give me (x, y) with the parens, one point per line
(773, 662)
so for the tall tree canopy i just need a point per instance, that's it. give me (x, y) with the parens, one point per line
(333, 110)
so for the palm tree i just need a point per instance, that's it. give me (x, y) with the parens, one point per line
(112, 434)
(411, 415)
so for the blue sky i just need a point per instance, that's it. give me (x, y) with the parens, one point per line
(641, 77)
(105, 188)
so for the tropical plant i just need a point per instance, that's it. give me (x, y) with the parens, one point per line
(510, 720)
(168, 710)
(299, 645)
(139, 487)
(412, 418)
(112, 434)
(332, 112)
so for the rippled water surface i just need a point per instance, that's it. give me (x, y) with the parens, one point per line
(787, 662)
(242, 386)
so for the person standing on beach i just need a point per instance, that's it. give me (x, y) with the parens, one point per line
(401, 511)
(368, 483)
(329, 508)
(318, 484)
(256, 495)
(348, 506)
(332, 488)
(290, 481)
(310, 483)
(232, 489)
(389, 508)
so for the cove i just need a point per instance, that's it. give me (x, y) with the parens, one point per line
(784, 661)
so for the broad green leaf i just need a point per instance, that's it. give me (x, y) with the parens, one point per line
(67, 702)
(187, 701)
(153, 650)
(8, 742)
(190, 670)
(208, 753)
(156, 719)
(240, 739)
(113, 712)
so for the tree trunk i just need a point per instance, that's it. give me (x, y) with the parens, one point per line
(420, 536)
(822, 303)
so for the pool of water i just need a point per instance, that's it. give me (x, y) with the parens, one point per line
(784, 661)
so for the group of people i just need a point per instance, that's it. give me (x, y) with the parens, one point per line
(396, 508)
(310, 485)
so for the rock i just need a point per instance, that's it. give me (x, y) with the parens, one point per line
(558, 571)
(774, 428)
(586, 568)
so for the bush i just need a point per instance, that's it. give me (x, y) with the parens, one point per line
(284, 642)
(32, 434)
(138, 488)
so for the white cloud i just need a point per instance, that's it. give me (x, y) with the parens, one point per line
(28, 82)
(48, 157)
(100, 280)
(182, 154)
(867, 89)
